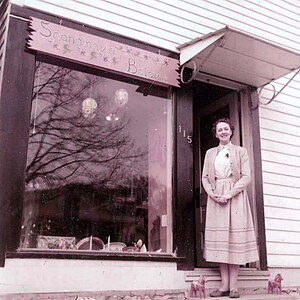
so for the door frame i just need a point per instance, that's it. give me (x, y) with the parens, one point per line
(247, 134)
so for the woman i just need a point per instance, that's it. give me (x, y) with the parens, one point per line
(229, 233)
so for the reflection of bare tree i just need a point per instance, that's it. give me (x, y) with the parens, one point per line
(64, 145)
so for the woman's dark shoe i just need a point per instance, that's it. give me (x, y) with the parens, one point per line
(234, 294)
(218, 293)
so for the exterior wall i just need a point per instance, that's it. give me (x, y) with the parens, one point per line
(88, 276)
(280, 142)
(169, 23)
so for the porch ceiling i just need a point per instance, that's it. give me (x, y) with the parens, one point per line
(237, 56)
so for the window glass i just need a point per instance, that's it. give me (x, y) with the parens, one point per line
(98, 173)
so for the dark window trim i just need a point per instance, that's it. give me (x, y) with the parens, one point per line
(259, 193)
(93, 255)
(16, 93)
(144, 86)
(184, 237)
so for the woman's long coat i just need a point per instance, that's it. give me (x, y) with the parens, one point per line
(229, 232)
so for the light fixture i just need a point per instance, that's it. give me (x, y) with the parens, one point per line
(121, 97)
(89, 106)
(112, 117)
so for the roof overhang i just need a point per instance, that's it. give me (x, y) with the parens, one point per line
(237, 56)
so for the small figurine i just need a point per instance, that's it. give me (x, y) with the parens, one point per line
(198, 285)
(275, 285)
(140, 246)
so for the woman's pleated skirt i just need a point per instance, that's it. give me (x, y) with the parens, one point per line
(229, 232)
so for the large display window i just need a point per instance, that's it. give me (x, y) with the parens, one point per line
(99, 163)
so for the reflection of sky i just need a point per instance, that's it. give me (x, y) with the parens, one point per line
(142, 112)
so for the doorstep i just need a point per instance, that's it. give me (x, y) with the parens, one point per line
(252, 284)
(250, 281)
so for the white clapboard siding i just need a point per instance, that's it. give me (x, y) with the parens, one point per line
(289, 95)
(281, 202)
(267, 144)
(282, 225)
(169, 23)
(288, 238)
(265, 9)
(281, 190)
(291, 110)
(269, 113)
(280, 125)
(279, 167)
(279, 179)
(278, 212)
(292, 84)
(282, 157)
(238, 18)
(290, 249)
(106, 20)
(285, 98)
(280, 144)
(275, 135)
(278, 260)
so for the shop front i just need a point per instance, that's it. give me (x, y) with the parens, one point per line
(87, 148)
(97, 119)
(103, 142)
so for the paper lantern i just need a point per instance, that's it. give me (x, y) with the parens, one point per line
(121, 97)
(89, 106)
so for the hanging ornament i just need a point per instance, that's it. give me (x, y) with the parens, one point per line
(89, 106)
(121, 97)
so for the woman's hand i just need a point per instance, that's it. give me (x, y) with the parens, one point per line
(225, 198)
(215, 197)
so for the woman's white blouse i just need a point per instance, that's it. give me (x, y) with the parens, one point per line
(222, 163)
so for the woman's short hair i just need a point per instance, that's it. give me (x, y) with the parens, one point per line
(225, 120)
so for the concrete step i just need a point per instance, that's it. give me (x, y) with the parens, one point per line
(249, 279)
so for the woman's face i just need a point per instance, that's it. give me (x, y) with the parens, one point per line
(223, 133)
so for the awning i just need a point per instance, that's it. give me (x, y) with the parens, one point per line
(234, 55)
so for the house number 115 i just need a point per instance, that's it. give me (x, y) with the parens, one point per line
(183, 132)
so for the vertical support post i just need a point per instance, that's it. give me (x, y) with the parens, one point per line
(185, 208)
(251, 141)
(15, 105)
(4, 24)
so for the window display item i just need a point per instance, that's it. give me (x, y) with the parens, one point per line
(115, 246)
(55, 242)
(90, 243)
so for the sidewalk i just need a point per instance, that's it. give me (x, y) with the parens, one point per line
(286, 295)
(139, 295)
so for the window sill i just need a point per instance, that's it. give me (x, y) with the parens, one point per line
(94, 255)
